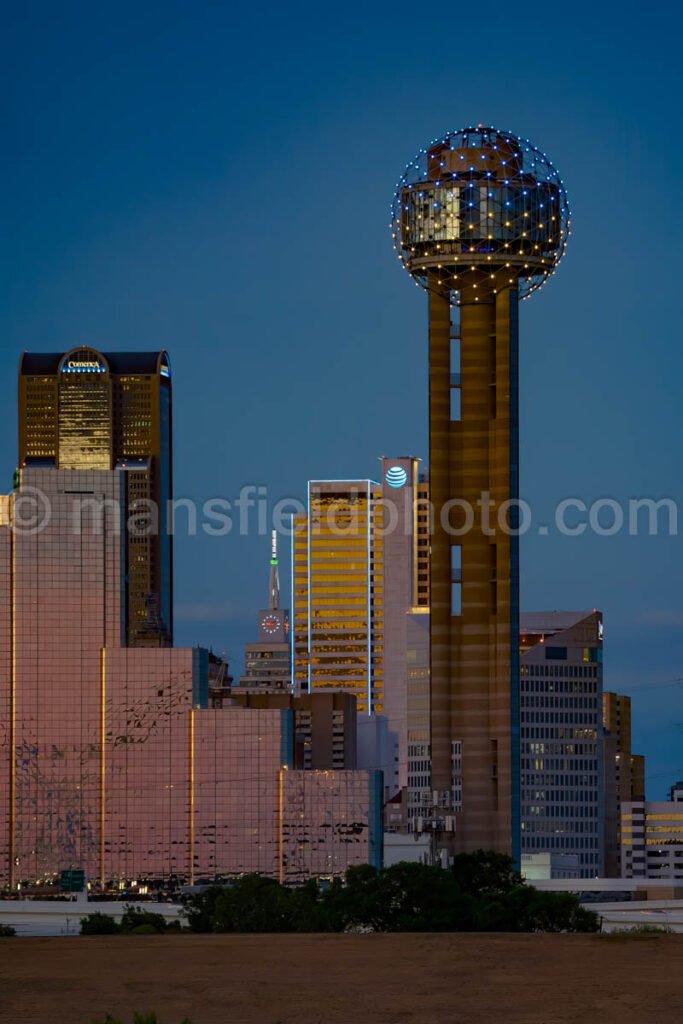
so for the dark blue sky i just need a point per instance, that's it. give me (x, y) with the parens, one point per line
(215, 179)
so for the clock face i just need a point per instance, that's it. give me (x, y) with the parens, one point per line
(270, 624)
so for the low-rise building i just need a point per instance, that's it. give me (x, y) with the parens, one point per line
(652, 839)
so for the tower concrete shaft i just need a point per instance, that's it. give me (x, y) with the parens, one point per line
(480, 219)
(473, 428)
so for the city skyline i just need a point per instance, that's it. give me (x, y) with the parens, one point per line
(130, 243)
(123, 757)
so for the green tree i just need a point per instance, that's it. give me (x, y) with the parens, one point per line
(357, 901)
(134, 919)
(200, 909)
(99, 924)
(482, 892)
(485, 872)
(253, 904)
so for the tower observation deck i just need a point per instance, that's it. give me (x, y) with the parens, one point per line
(480, 219)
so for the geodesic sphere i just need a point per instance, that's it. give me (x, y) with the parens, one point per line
(480, 207)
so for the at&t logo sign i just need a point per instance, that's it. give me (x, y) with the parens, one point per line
(396, 476)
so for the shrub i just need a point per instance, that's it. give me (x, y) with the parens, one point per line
(134, 919)
(99, 924)
(639, 931)
(6, 931)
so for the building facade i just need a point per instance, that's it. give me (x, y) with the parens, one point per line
(93, 734)
(330, 821)
(418, 708)
(324, 726)
(89, 410)
(652, 839)
(407, 520)
(623, 774)
(338, 592)
(562, 737)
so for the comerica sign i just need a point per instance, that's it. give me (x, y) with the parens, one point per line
(83, 366)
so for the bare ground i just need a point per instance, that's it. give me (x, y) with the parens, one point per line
(338, 979)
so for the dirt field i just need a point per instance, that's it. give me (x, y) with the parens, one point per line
(371, 979)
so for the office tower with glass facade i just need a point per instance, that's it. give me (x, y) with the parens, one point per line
(329, 822)
(93, 734)
(562, 737)
(268, 662)
(338, 592)
(88, 410)
(253, 812)
(405, 495)
(623, 771)
(480, 220)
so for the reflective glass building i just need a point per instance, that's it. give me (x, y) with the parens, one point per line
(338, 600)
(85, 409)
(111, 758)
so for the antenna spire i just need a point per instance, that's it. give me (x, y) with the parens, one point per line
(274, 599)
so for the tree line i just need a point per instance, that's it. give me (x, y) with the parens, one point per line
(481, 892)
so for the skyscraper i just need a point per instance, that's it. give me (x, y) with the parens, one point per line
(268, 661)
(480, 219)
(562, 739)
(94, 736)
(405, 495)
(88, 410)
(338, 583)
(623, 771)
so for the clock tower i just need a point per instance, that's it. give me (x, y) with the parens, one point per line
(273, 623)
(268, 662)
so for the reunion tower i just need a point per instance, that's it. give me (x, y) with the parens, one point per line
(480, 219)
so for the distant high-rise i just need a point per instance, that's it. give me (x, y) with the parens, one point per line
(417, 716)
(623, 772)
(338, 583)
(480, 220)
(268, 661)
(675, 793)
(561, 738)
(325, 725)
(89, 410)
(405, 494)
